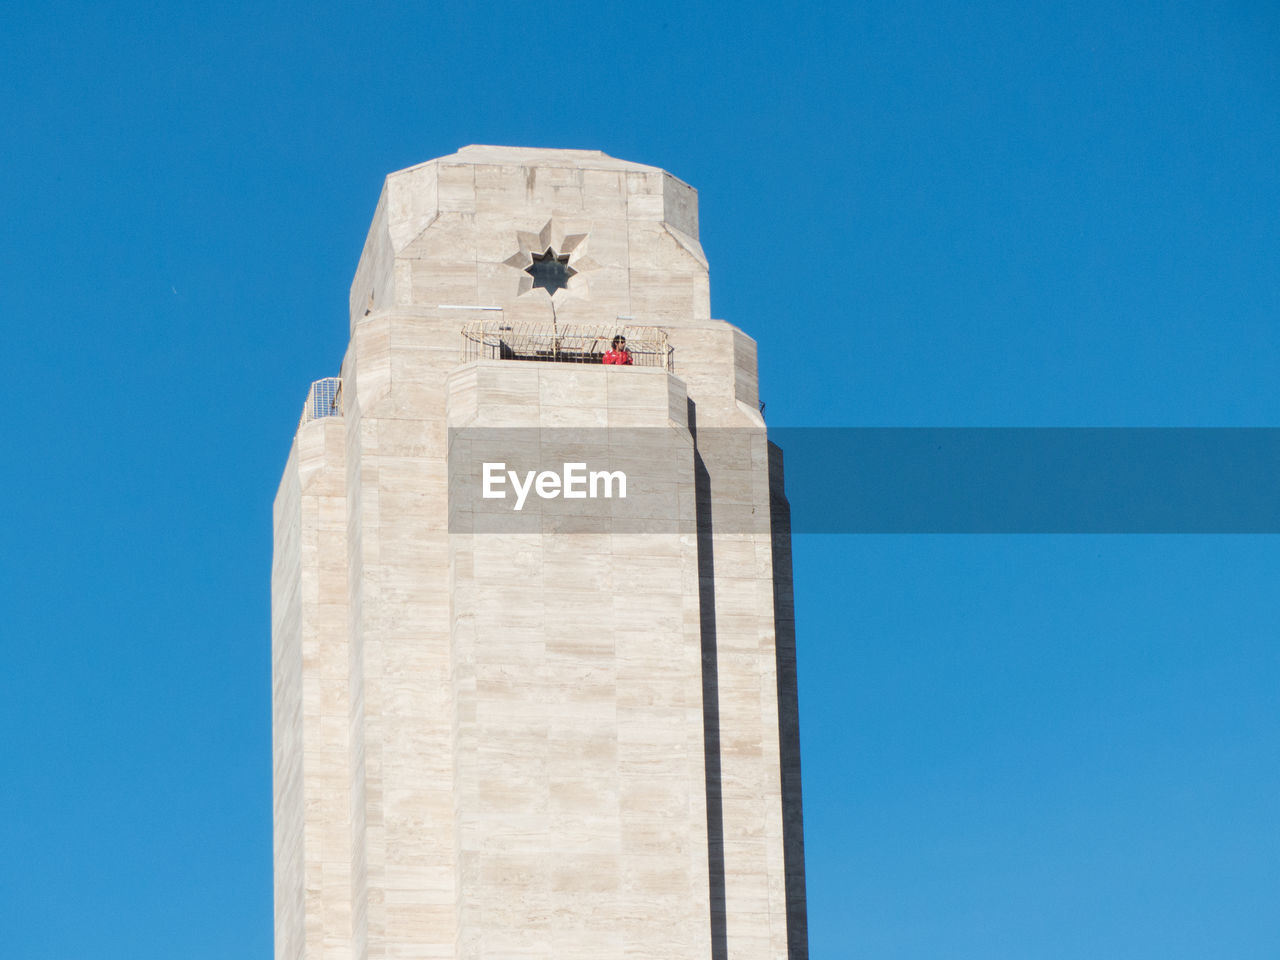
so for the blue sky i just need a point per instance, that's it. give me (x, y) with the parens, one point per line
(992, 214)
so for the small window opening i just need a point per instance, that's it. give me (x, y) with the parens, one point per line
(550, 271)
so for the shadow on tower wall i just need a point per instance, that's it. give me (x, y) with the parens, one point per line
(710, 701)
(784, 631)
(788, 706)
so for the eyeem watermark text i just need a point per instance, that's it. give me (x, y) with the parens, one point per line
(574, 482)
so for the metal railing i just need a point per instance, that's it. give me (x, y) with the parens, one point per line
(324, 399)
(553, 343)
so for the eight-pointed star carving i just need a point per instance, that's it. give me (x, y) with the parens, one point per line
(550, 271)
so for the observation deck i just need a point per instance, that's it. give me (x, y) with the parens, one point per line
(555, 343)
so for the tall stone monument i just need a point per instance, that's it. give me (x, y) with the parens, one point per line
(567, 730)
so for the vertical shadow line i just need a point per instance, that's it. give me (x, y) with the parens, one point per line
(784, 627)
(710, 702)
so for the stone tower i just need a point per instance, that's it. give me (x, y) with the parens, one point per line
(564, 733)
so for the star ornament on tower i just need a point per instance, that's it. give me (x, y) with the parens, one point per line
(550, 271)
(542, 261)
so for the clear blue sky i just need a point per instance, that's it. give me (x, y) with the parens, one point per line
(990, 214)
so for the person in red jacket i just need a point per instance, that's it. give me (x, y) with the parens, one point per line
(619, 354)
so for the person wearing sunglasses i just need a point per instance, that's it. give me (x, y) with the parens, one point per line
(618, 354)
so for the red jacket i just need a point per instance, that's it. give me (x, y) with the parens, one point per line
(620, 357)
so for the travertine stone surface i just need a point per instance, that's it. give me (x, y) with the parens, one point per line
(535, 744)
(577, 684)
(445, 231)
(311, 710)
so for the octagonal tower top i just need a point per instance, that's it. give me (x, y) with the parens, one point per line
(535, 232)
